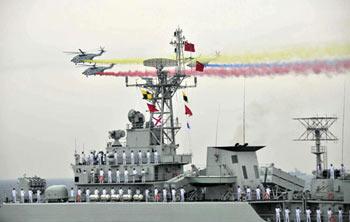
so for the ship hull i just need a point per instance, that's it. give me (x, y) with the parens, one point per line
(129, 212)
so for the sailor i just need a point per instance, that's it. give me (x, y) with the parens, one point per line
(101, 176)
(258, 193)
(22, 195)
(308, 215)
(143, 175)
(109, 176)
(112, 191)
(156, 160)
(117, 173)
(182, 194)
(331, 172)
(72, 194)
(278, 214)
(84, 175)
(132, 157)
(297, 214)
(92, 176)
(124, 157)
(140, 157)
(138, 192)
(96, 192)
(148, 155)
(129, 192)
(30, 196)
(104, 192)
(87, 195)
(121, 192)
(318, 214)
(146, 195)
(173, 195)
(99, 158)
(14, 195)
(342, 170)
(38, 192)
(165, 198)
(329, 214)
(156, 196)
(79, 195)
(249, 193)
(267, 193)
(92, 158)
(126, 173)
(239, 193)
(134, 174)
(115, 157)
(77, 159)
(286, 214)
(340, 214)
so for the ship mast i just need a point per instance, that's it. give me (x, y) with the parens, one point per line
(163, 87)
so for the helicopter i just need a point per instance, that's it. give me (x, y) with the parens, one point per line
(95, 70)
(82, 56)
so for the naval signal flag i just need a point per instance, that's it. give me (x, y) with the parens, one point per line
(199, 66)
(189, 47)
(152, 108)
(188, 111)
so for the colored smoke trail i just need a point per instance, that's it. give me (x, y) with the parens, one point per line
(261, 69)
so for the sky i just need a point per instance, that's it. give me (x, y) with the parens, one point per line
(46, 103)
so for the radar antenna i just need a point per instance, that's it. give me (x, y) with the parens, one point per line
(317, 129)
(163, 88)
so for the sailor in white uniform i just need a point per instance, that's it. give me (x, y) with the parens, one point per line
(239, 193)
(30, 196)
(340, 214)
(156, 160)
(165, 198)
(72, 193)
(134, 174)
(146, 195)
(143, 175)
(278, 214)
(104, 192)
(38, 193)
(99, 158)
(96, 192)
(297, 214)
(140, 157)
(92, 176)
(318, 214)
(342, 170)
(79, 195)
(173, 195)
(101, 176)
(249, 193)
(286, 214)
(308, 215)
(331, 171)
(182, 194)
(329, 214)
(121, 192)
(132, 157)
(129, 191)
(258, 193)
(117, 174)
(148, 156)
(14, 195)
(22, 195)
(115, 158)
(124, 157)
(87, 194)
(109, 174)
(268, 193)
(156, 197)
(126, 178)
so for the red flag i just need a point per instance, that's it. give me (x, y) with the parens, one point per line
(152, 108)
(188, 111)
(199, 66)
(189, 47)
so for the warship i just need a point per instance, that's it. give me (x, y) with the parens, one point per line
(143, 179)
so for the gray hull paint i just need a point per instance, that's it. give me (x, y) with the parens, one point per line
(129, 212)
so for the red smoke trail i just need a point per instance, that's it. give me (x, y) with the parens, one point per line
(315, 67)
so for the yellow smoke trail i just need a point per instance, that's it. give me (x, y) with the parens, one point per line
(297, 53)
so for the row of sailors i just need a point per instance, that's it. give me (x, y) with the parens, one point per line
(23, 194)
(247, 193)
(308, 213)
(331, 171)
(101, 158)
(129, 195)
(135, 176)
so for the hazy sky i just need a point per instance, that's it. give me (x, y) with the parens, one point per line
(45, 102)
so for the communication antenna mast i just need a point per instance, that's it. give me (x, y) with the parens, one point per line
(317, 129)
(163, 88)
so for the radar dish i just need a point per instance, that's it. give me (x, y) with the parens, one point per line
(160, 63)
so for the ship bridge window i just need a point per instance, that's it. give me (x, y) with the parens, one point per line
(234, 159)
(244, 170)
(256, 170)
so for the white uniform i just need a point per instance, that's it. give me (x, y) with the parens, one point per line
(156, 160)
(147, 195)
(173, 195)
(101, 177)
(92, 175)
(38, 192)
(99, 157)
(286, 215)
(249, 194)
(126, 178)
(132, 158)
(329, 214)
(121, 191)
(308, 215)
(30, 196)
(140, 157)
(72, 194)
(143, 175)
(278, 214)
(156, 194)
(79, 195)
(134, 174)
(87, 195)
(268, 193)
(22, 196)
(318, 215)
(104, 192)
(239, 192)
(14, 196)
(117, 173)
(124, 158)
(165, 195)
(96, 192)
(148, 155)
(331, 172)
(297, 214)
(340, 215)
(258, 193)
(129, 192)
(112, 191)
(116, 158)
(182, 194)
(109, 176)
(83, 159)
(138, 192)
